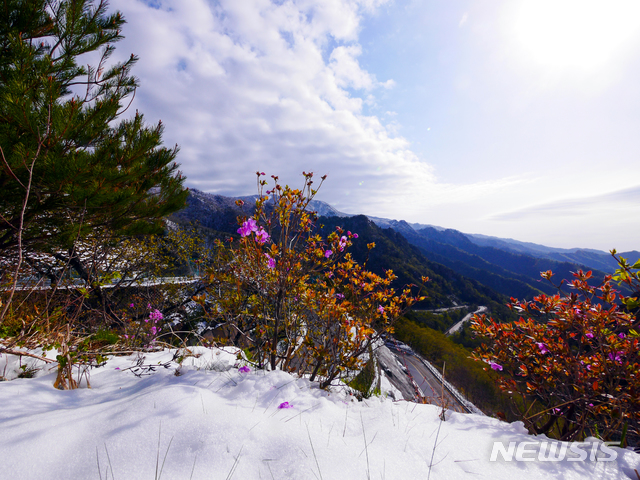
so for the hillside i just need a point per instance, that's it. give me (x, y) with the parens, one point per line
(477, 266)
(510, 273)
(593, 259)
(446, 288)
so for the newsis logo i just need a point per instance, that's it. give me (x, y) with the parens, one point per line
(554, 451)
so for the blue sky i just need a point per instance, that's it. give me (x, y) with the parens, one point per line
(514, 118)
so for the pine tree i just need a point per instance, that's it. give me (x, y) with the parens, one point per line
(70, 163)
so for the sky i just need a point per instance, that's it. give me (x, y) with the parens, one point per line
(512, 118)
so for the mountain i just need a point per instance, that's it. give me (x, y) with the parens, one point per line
(216, 216)
(508, 272)
(508, 267)
(596, 259)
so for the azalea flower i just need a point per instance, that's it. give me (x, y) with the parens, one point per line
(616, 358)
(497, 367)
(328, 253)
(542, 347)
(342, 244)
(155, 316)
(247, 227)
(621, 335)
(244, 369)
(588, 335)
(271, 262)
(285, 405)
(262, 236)
(381, 309)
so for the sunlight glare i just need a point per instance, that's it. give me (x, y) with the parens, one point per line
(578, 34)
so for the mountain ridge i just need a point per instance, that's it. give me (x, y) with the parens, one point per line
(507, 266)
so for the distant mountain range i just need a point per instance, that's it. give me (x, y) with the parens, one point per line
(508, 267)
(584, 257)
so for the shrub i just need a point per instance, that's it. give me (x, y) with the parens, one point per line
(572, 359)
(297, 300)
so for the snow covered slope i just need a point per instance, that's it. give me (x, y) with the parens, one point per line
(214, 421)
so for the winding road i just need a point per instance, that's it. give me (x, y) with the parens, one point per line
(466, 318)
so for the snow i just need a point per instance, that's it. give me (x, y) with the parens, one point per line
(213, 421)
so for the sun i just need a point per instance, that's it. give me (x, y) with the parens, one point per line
(575, 34)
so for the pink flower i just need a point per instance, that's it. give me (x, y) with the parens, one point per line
(497, 367)
(381, 309)
(285, 405)
(542, 347)
(339, 296)
(271, 262)
(131, 305)
(328, 253)
(244, 369)
(262, 236)
(588, 335)
(616, 358)
(355, 235)
(247, 227)
(154, 330)
(342, 244)
(621, 335)
(155, 316)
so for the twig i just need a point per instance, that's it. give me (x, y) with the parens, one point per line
(269, 467)
(305, 410)
(346, 411)
(433, 452)
(366, 449)
(98, 461)
(314, 452)
(109, 459)
(194, 467)
(235, 464)
(158, 453)
(165, 458)
(21, 353)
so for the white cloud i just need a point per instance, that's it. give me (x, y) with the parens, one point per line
(575, 206)
(254, 85)
(248, 85)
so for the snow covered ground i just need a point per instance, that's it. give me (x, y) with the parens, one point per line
(214, 421)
